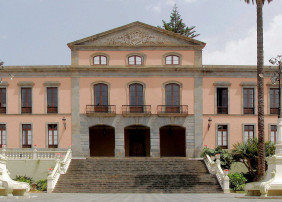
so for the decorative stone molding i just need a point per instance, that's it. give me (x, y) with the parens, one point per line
(26, 83)
(222, 83)
(4, 84)
(247, 83)
(52, 83)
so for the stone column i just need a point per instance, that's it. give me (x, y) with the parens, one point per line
(75, 117)
(155, 142)
(119, 141)
(198, 111)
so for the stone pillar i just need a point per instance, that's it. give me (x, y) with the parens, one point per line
(155, 142)
(75, 117)
(198, 111)
(198, 58)
(278, 145)
(119, 142)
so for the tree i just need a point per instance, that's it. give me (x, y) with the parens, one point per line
(260, 86)
(176, 25)
(247, 153)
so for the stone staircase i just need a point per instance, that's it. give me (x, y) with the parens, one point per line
(137, 175)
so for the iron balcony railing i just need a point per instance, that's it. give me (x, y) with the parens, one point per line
(3, 110)
(222, 110)
(172, 109)
(52, 109)
(274, 110)
(26, 110)
(136, 109)
(100, 109)
(249, 110)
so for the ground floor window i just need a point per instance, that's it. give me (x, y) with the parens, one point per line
(3, 135)
(222, 136)
(52, 136)
(273, 133)
(26, 136)
(248, 132)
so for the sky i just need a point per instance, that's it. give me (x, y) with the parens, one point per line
(36, 32)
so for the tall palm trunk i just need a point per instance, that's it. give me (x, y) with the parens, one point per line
(260, 86)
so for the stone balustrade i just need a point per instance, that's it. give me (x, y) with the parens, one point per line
(214, 168)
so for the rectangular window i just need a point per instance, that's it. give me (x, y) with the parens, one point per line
(3, 100)
(52, 100)
(26, 136)
(274, 100)
(222, 136)
(273, 133)
(248, 99)
(222, 100)
(3, 135)
(52, 136)
(248, 132)
(26, 100)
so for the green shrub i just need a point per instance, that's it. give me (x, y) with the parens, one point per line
(237, 181)
(225, 156)
(26, 179)
(41, 185)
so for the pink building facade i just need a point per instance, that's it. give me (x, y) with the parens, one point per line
(136, 90)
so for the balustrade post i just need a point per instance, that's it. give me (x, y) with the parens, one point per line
(226, 182)
(34, 154)
(4, 150)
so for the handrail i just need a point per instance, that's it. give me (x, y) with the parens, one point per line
(61, 167)
(215, 168)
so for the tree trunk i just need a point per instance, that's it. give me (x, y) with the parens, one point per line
(260, 86)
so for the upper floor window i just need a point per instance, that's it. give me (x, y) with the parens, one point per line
(135, 60)
(222, 100)
(172, 60)
(101, 97)
(52, 100)
(2, 100)
(248, 132)
(26, 100)
(248, 99)
(136, 100)
(52, 136)
(100, 60)
(274, 100)
(222, 136)
(3, 135)
(273, 133)
(26, 136)
(172, 97)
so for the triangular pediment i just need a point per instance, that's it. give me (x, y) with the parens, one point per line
(136, 34)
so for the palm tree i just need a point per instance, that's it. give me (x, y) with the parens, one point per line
(260, 85)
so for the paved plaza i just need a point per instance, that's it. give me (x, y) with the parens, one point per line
(81, 197)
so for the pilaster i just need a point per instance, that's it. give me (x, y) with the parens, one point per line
(198, 110)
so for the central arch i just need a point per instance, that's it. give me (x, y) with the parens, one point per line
(102, 141)
(137, 141)
(172, 141)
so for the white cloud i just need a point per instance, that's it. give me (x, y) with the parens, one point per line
(243, 51)
(155, 8)
(172, 2)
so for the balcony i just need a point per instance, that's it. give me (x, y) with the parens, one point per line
(172, 110)
(26, 110)
(249, 110)
(222, 110)
(52, 110)
(100, 110)
(274, 110)
(136, 110)
(2, 110)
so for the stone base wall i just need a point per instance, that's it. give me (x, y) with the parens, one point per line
(119, 122)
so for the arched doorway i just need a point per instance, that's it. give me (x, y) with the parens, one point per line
(137, 141)
(102, 141)
(172, 141)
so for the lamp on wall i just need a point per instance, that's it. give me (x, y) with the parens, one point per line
(209, 124)
(64, 122)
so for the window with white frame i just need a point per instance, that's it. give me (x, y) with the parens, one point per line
(100, 60)
(273, 133)
(249, 132)
(135, 60)
(26, 136)
(52, 136)
(172, 60)
(3, 100)
(222, 136)
(3, 135)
